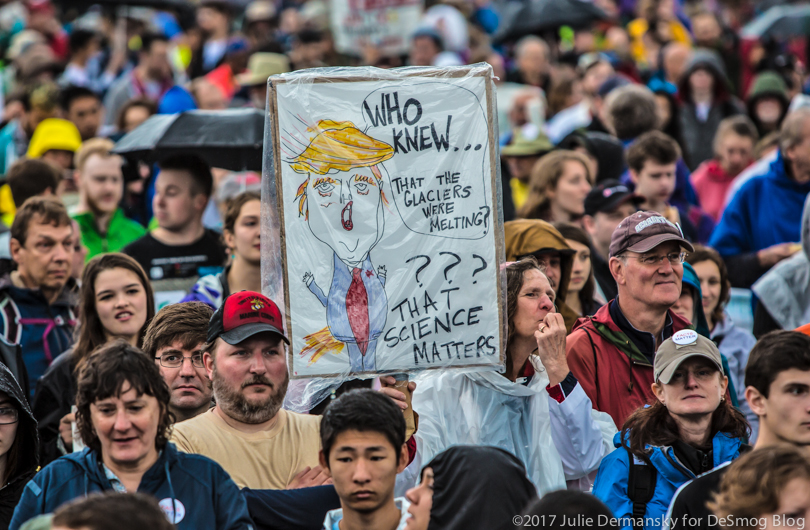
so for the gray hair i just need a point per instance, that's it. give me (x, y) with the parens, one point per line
(631, 111)
(531, 39)
(792, 133)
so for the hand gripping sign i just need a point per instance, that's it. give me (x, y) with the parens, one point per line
(384, 188)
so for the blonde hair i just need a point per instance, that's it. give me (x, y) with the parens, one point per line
(545, 175)
(94, 146)
(338, 146)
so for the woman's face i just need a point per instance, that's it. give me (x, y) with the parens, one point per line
(794, 507)
(582, 266)
(696, 388)
(120, 302)
(572, 188)
(709, 275)
(685, 306)
(535, 301)
(126, 427)
(663, 109)
(245, 240)
(8, 431)
(421, 499)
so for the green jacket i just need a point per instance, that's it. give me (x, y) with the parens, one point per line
(121, 232)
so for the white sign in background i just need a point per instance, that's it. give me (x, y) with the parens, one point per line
(386, 25)
(427, 232)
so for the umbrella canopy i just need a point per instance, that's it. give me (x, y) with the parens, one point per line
(230, 139)
(524, 17)
(782, 21)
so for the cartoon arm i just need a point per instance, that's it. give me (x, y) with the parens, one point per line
(309, 279)
(381, 274)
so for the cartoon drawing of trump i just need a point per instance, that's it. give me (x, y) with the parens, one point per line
(342, 200)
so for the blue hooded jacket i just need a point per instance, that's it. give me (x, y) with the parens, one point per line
(767, 210)
(196, 489)
(611, 480)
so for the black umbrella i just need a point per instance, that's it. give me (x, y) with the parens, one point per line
(230, 139)
(524, 17)
(783, 21)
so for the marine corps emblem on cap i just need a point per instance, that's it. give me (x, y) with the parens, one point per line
(243, 315)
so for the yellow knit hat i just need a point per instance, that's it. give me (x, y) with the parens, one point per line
(54, 133)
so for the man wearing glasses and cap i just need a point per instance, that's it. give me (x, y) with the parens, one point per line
(612, 353)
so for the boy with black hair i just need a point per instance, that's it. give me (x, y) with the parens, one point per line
(363, 449)
(653, 162)
(82, 106)
(180, 246)
(777, 380)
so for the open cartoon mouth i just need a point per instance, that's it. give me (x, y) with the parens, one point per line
(346, 216)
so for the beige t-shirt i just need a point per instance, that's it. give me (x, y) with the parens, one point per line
(263, 460)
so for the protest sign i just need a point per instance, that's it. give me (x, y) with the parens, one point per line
(386, 25)
(385, 193)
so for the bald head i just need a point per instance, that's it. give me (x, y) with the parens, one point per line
(675, 57)
(532, 54)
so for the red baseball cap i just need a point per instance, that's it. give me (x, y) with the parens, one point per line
(243, 315)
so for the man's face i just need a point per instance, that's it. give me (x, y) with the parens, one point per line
(210, 97)
(189, 385)
(602, 224)
(86, 114)
(655, 182)
(59, 158)
(520, 167)
(156, 61)
(657, 286)
(102, 183)
(799, 156)
(735, 152)
(595, 76)
(785, 413)
(46, 258)
(706, 29)
(364, 466)
(423, 51)
(532, 59)
(175, 204)
(346, 213)
(551, 262)
(135, 116)
(249, 379)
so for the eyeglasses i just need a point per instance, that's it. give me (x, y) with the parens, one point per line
(675, 258)
(9, 415)
(172, 360)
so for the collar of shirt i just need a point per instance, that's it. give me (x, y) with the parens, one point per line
(644, 341)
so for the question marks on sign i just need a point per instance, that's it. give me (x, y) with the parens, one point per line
(458, 260)
(420, 269)
(449, 267)
(479, 269)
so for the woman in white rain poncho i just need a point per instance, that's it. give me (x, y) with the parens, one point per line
(536, 410)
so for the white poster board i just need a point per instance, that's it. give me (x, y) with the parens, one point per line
(389, 238)
(387, 25)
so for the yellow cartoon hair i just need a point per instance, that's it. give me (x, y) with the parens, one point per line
(340, 145)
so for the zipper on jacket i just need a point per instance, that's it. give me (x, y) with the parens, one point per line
(674, 460)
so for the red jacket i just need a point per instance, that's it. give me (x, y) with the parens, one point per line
(611, 369)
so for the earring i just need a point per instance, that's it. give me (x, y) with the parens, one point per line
(722, 398)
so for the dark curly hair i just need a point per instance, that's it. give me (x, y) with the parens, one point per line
(103, 374)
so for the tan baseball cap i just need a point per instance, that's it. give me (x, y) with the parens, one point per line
(681, 346)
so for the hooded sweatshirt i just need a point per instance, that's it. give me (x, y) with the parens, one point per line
(765, 211)
(533, 236)
(27, 441)
(193, 490)
(767, 84)
(785, 289)
(478, 487)
(698, 134)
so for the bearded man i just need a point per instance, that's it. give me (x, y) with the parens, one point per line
(259, 444)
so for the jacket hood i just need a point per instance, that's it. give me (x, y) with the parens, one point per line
(691, 279)
(767, 84)
(527, 236)
(27, 436)
(711, 61)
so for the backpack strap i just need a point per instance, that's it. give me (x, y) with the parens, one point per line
(640, 488)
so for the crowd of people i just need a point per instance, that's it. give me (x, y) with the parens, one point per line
(655, 186)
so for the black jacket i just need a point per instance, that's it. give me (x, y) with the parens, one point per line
(55, 394)
(27, 441)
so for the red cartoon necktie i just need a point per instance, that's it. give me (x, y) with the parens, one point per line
(357, 310)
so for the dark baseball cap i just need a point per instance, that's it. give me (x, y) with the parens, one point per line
(644, 231)
(243, 315)
(609, 195)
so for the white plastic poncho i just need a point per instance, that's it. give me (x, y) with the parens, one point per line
(555, 441)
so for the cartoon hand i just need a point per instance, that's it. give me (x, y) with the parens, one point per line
(381, 271)
(308, 277)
